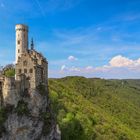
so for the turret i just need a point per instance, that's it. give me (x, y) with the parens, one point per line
(32, 44)
(21, 40)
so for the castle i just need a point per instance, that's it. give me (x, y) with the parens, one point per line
(24, 96)
(31, 68)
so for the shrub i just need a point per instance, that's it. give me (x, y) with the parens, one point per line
(3, 117)
(9, 72)
(123, 137)
(2, 130)
(46, 117)
(22, 108)
(42, 89)
(72, 130)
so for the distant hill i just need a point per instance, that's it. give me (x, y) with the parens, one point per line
(88, 109)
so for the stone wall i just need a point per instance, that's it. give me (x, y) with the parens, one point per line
(26, 66)
(34, 66)
(10, 93)
(12, 89)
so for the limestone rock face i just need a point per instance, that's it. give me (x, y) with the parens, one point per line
(22, 128)
(30, 119)
(36, 103)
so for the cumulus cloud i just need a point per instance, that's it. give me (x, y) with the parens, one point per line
(115, 63)
(118, 67)
(120, 61)
(72, 58)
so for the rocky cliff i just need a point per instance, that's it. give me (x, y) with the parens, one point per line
(30, 118)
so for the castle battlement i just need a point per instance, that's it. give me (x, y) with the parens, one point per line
(21, 27)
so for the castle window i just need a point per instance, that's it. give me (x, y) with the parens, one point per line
(25, 70)
(18, 51)
(19, 71)
(25, 63)
(31, 70)
(18, 42)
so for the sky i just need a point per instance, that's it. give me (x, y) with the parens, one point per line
(91, 38)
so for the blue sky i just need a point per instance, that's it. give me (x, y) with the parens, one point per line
(92, 38)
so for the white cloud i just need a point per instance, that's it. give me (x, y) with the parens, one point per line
(120, 61)
(118, 67)
(89, 68)
(75, 69)
(72, 58)
(63, 68)
(115, 63)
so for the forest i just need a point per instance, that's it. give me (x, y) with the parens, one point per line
(96, 109)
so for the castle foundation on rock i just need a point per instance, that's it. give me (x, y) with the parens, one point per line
(24, 99)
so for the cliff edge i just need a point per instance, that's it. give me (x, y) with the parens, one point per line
(26, 115)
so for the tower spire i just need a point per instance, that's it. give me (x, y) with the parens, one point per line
(32, 44)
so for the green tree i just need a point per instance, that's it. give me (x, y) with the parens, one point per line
(9, 72)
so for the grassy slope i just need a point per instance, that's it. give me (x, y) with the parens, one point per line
(98, 109)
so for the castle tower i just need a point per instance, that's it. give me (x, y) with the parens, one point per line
(21, 40)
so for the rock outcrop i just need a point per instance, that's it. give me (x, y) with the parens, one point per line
(30, 119)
